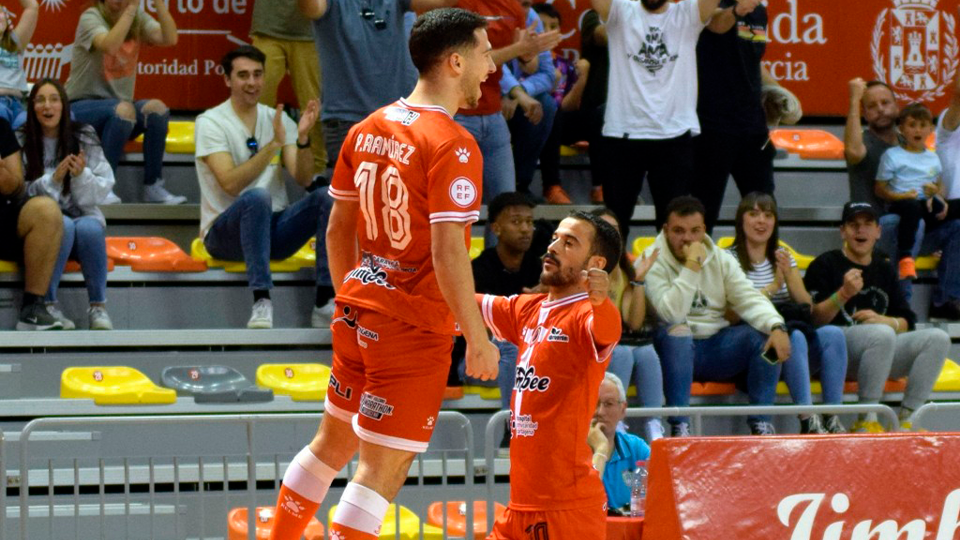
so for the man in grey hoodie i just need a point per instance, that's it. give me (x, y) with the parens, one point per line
(690, 287)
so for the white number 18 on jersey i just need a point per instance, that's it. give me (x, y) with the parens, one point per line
(394, 198)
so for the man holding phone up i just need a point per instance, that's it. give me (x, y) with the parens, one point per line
(855, 288)
(691, 287)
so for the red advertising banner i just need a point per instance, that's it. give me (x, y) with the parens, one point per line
(861, 487)
(815, 47)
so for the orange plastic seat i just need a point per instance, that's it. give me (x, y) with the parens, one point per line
(712, 389)
(74, 266)
(457, 517)
(151, 254)
(931, 142)
(237, 524)
(891, 387)
(808, 143)
(453, 392)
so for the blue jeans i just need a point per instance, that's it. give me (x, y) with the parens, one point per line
(114, 132)
(728, 355)
(83, 240)
(828, 358)
(528, 140)
(946, 238)
(640, 366)
(493, 138)
(507, 375)
(796, 370)
(251, 232)
(11, 110)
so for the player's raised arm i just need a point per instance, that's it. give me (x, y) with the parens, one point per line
(451, 262)
(606, 317)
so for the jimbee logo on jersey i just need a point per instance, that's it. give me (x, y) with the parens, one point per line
(463, 192)
(374, 407)
(528, 381)
(369, 276)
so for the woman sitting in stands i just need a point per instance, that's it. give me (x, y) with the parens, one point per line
(773, 270)
(13, 43)
(63, 160)
(103, 72)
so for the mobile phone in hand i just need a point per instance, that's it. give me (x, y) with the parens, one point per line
(770, 355)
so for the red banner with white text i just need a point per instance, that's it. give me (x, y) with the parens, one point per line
(815, 47)
(860, 487)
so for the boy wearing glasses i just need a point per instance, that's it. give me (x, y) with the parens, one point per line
(245, 214)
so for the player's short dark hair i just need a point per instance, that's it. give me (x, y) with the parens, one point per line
(916, 111)
(439, 32)
(606, 240)
(243, 51)
(505, 200)
(685, 205)
(546, 9)
(875, 83)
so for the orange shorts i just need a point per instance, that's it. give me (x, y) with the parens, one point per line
(387, 379)
(576, 524)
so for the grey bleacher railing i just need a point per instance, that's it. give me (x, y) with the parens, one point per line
(927, 409)
(497, 421)
(122, 484)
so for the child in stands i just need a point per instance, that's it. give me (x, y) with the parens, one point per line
(63, 160)
(909, 178)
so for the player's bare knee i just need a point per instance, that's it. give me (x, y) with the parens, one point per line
(679, 330)
(126, 111)
(335, 444)
(155, 106)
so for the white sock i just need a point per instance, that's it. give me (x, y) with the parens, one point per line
(361, 508)
(308, 476)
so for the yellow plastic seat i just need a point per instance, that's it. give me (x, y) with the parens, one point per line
(113, 385)
(803, 261)
(296, 261)
(476, 246)
(409, 524)
(641, 244)
(302, 382)
(180, 139)
(949, 379)
(485, 392)
(8, 267)
(928, 262)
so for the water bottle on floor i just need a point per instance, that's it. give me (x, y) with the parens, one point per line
(638, 490)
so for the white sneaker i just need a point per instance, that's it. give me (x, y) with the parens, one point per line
(322, 316)
(111, 198)
(262, 316)
(653, 429)
(156, 193)
(99, 319)
(55, 312)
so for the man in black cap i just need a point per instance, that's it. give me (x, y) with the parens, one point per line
(856, 288)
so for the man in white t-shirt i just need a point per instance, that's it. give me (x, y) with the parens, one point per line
(651, 115)
(244, 213)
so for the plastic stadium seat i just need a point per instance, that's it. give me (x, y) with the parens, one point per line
(199, 253)
(808, 143)
(213, 384)
(803, 261)
(151, 254)
(302, 382)
(237, 524)
(476, 246)
(949, 380)
(712, 389)
(409, 523)
(457, 517)
(574, 149)
(74, 266)
(116, 385)
(8, 267)
(891, 387)
(453, 392)
(485, 392)
(641, 244)
(928, 262)
(180, 139)
(931, 142)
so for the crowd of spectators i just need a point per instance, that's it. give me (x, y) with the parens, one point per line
(744, 314)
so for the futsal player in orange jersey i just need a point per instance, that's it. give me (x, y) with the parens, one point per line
(406, 189)
(565, 338)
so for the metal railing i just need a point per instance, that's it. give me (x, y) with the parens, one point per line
(111, 482)
(929, 408)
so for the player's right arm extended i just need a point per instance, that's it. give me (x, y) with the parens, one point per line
(451, 263)
(342, 240)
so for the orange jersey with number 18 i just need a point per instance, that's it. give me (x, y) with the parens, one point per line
(408, 166)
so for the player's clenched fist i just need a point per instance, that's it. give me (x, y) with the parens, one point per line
(482, 360)
(597, 284)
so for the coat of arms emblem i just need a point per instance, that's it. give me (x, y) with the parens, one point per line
(914, 49)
